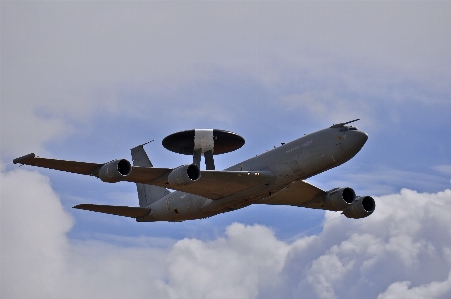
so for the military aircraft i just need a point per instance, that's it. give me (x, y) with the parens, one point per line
(275, 177)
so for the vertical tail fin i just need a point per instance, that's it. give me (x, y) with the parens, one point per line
(147, 194)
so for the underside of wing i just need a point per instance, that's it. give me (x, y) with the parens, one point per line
(133, 212)
(62, 165)
(137, 174)
(299, 193)
(212, 184)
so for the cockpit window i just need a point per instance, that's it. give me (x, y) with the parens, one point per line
(344, 129)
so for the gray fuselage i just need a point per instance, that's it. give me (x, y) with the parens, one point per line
(296, 160)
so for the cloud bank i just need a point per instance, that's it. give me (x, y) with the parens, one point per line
(67, 64)
(403, 250)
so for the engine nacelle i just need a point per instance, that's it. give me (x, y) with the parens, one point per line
(362, 207)
(115, 171)
(339, 199)
(184, 175)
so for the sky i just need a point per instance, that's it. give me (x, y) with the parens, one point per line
(89, 80)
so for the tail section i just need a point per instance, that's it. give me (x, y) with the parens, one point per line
(147, 194)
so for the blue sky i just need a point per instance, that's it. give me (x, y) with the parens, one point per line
(88, 81)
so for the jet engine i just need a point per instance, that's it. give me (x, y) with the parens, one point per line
(114, 171)
(339, 199)
(362, 207)
(184, 175)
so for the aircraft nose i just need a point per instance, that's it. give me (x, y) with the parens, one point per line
(355, 139)
(360, 137)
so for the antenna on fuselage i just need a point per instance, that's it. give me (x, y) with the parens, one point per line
(351, 121)
(147, 142)
(342, 124)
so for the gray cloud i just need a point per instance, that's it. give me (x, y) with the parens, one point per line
(65, 64)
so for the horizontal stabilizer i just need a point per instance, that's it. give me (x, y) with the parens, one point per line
(134, 212)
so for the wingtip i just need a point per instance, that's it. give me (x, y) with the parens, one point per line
(83, 206)
(24, 158)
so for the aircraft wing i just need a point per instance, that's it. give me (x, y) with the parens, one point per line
(69, 166)
(212, 184)
(299, 194)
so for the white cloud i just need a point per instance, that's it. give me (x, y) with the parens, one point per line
(33, 243)
(234, 266)
(435, 289)
(443, 169)
(404, 240)
(403, 247)
(39, 261)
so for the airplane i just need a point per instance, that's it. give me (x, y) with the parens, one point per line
(275, 177)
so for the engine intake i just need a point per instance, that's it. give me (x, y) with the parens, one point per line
(115, 171)
(339, 199)
(184, 175)
(362, 207)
